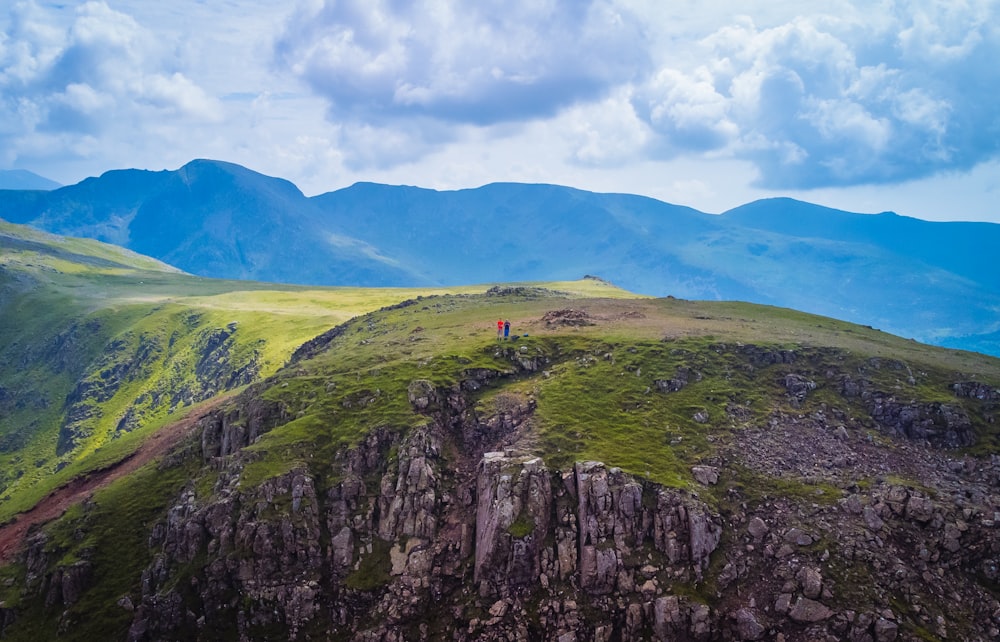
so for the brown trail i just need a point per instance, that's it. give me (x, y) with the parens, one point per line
(12, 534)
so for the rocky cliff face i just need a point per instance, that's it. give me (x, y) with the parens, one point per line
(433, 534)
(456, 528)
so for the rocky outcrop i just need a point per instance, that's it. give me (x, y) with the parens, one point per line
(225, 432)
(514, 505)
(976, 390)
(501, 547)
(678, 381)
(942, 425)
(7, 617)
(67, 583)
(262, 552)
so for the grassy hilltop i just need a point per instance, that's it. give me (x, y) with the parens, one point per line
(99, 345)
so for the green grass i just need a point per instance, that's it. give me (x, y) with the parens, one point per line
(523, 526)
(373, 568)
(115, 528)
(65, 302)
(597, 397)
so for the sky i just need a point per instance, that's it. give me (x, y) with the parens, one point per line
(866, 106)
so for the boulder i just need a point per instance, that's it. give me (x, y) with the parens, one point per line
(747, 626)
(706, 475)
(807, 610)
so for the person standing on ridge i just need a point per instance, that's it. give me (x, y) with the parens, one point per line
(499, 328)
(506, 329)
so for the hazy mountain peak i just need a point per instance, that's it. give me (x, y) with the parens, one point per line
(22, 179)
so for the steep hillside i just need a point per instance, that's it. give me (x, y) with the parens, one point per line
(23, 179)
(933, 268)
(625, 469)
(212, 219)
(99, 345)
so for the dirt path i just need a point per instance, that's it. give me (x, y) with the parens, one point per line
(79, 488)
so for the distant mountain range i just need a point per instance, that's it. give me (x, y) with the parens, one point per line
(936, 282)
(23, 179)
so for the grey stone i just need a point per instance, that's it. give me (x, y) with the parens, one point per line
(757, 528)
(747, 626)
(811, 582)
(806, 610)
(706, 475)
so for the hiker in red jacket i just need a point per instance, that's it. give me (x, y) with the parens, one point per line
(499, 328)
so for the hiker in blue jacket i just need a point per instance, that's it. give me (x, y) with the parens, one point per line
(506, 329)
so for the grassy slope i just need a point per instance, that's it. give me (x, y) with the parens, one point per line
(595, 400)
(65, 302)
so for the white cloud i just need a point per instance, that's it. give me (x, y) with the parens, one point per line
(606, 133)
(479, 63)
(830, 100)
(101, 76)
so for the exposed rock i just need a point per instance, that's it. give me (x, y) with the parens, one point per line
(942, 425)
(679, 380)
(447, 527)
(806, 610)
(225, 432)
(747, 627)
(757, 528)
(706, 475)
(68, 583)
(512, 520)
(885, 630)
(567, 317)
(976, 390)
(421, 394)
(798, 387)
(872, 520)
(7, 617)
(811, 582)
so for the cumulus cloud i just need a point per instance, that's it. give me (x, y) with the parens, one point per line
(476, 63)
(837, 100)
(797, 95)
(860, 94)
(605, 133)
(102, 75)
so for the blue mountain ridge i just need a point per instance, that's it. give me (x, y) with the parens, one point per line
(930, 281)
(22, 179)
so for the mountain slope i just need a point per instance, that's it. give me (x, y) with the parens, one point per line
(962, 249)
(513, 232)
(929, 281)
(628, 469)
(211, 219)
(22, 179)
